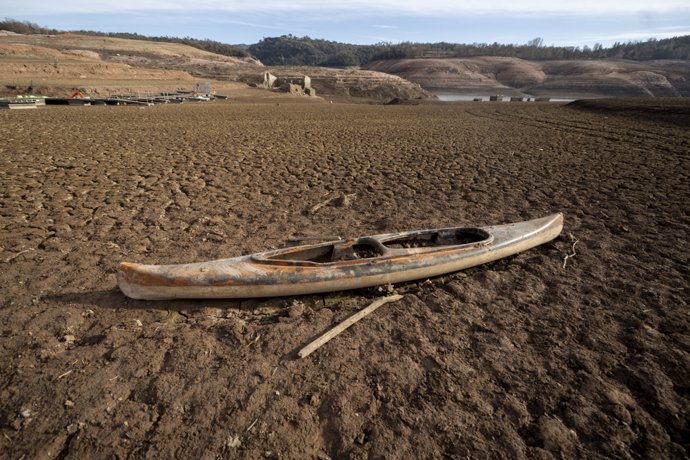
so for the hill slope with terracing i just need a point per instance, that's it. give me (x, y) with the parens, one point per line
(575, 78)
(62, 63)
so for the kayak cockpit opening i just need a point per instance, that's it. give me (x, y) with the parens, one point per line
(370, 248)
(316, 254)
(362, 248)
(449, 237)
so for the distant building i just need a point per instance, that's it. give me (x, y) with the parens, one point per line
(203, 88)
(298, 85)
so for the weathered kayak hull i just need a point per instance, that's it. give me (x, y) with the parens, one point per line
(301, 270)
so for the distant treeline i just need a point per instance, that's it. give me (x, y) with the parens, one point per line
(22, 27)
(292, 50)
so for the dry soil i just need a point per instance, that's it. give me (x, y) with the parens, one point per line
(531, 356)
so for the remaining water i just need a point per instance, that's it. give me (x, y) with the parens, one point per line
(470, 97)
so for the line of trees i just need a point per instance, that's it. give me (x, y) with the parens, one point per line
(25, 27)
(292, 50)
(205, 45)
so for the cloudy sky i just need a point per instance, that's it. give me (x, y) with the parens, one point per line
(567, 23)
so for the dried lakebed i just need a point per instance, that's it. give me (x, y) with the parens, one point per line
(530, 356)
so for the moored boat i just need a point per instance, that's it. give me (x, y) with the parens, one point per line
(338, 265)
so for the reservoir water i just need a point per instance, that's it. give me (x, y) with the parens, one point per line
(447, 97)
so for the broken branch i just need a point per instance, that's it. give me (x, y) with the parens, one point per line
(11, 258)
(325, 338)
(64, 375)
(568, 256)
(298, 239)
(318, 206)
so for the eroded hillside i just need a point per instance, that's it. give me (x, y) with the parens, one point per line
(579, 78)
(55, 64)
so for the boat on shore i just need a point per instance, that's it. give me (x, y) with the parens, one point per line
(20, 103)
(338, 265)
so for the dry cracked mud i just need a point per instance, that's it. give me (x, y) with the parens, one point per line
(530, 356)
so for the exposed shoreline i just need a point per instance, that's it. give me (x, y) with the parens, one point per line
(576, 348)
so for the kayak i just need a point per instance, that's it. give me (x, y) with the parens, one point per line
(338, 265)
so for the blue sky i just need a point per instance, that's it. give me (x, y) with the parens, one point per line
(563, 23)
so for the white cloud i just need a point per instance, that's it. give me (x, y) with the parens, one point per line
(248, 24)
(382, 26)
(404, 7)
(630, 36)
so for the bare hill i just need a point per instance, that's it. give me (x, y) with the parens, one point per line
(54, 64)
(574, 77)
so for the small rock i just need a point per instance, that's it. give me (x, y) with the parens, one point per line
(297, 309)
(138, 323)
(653, 332)
(26, 413)
(69, 403)
(389, 288)
(505, 342)
(233, 442)
(344, 201)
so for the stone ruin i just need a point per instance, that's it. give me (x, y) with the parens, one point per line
(269, 80)
(299, 86)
